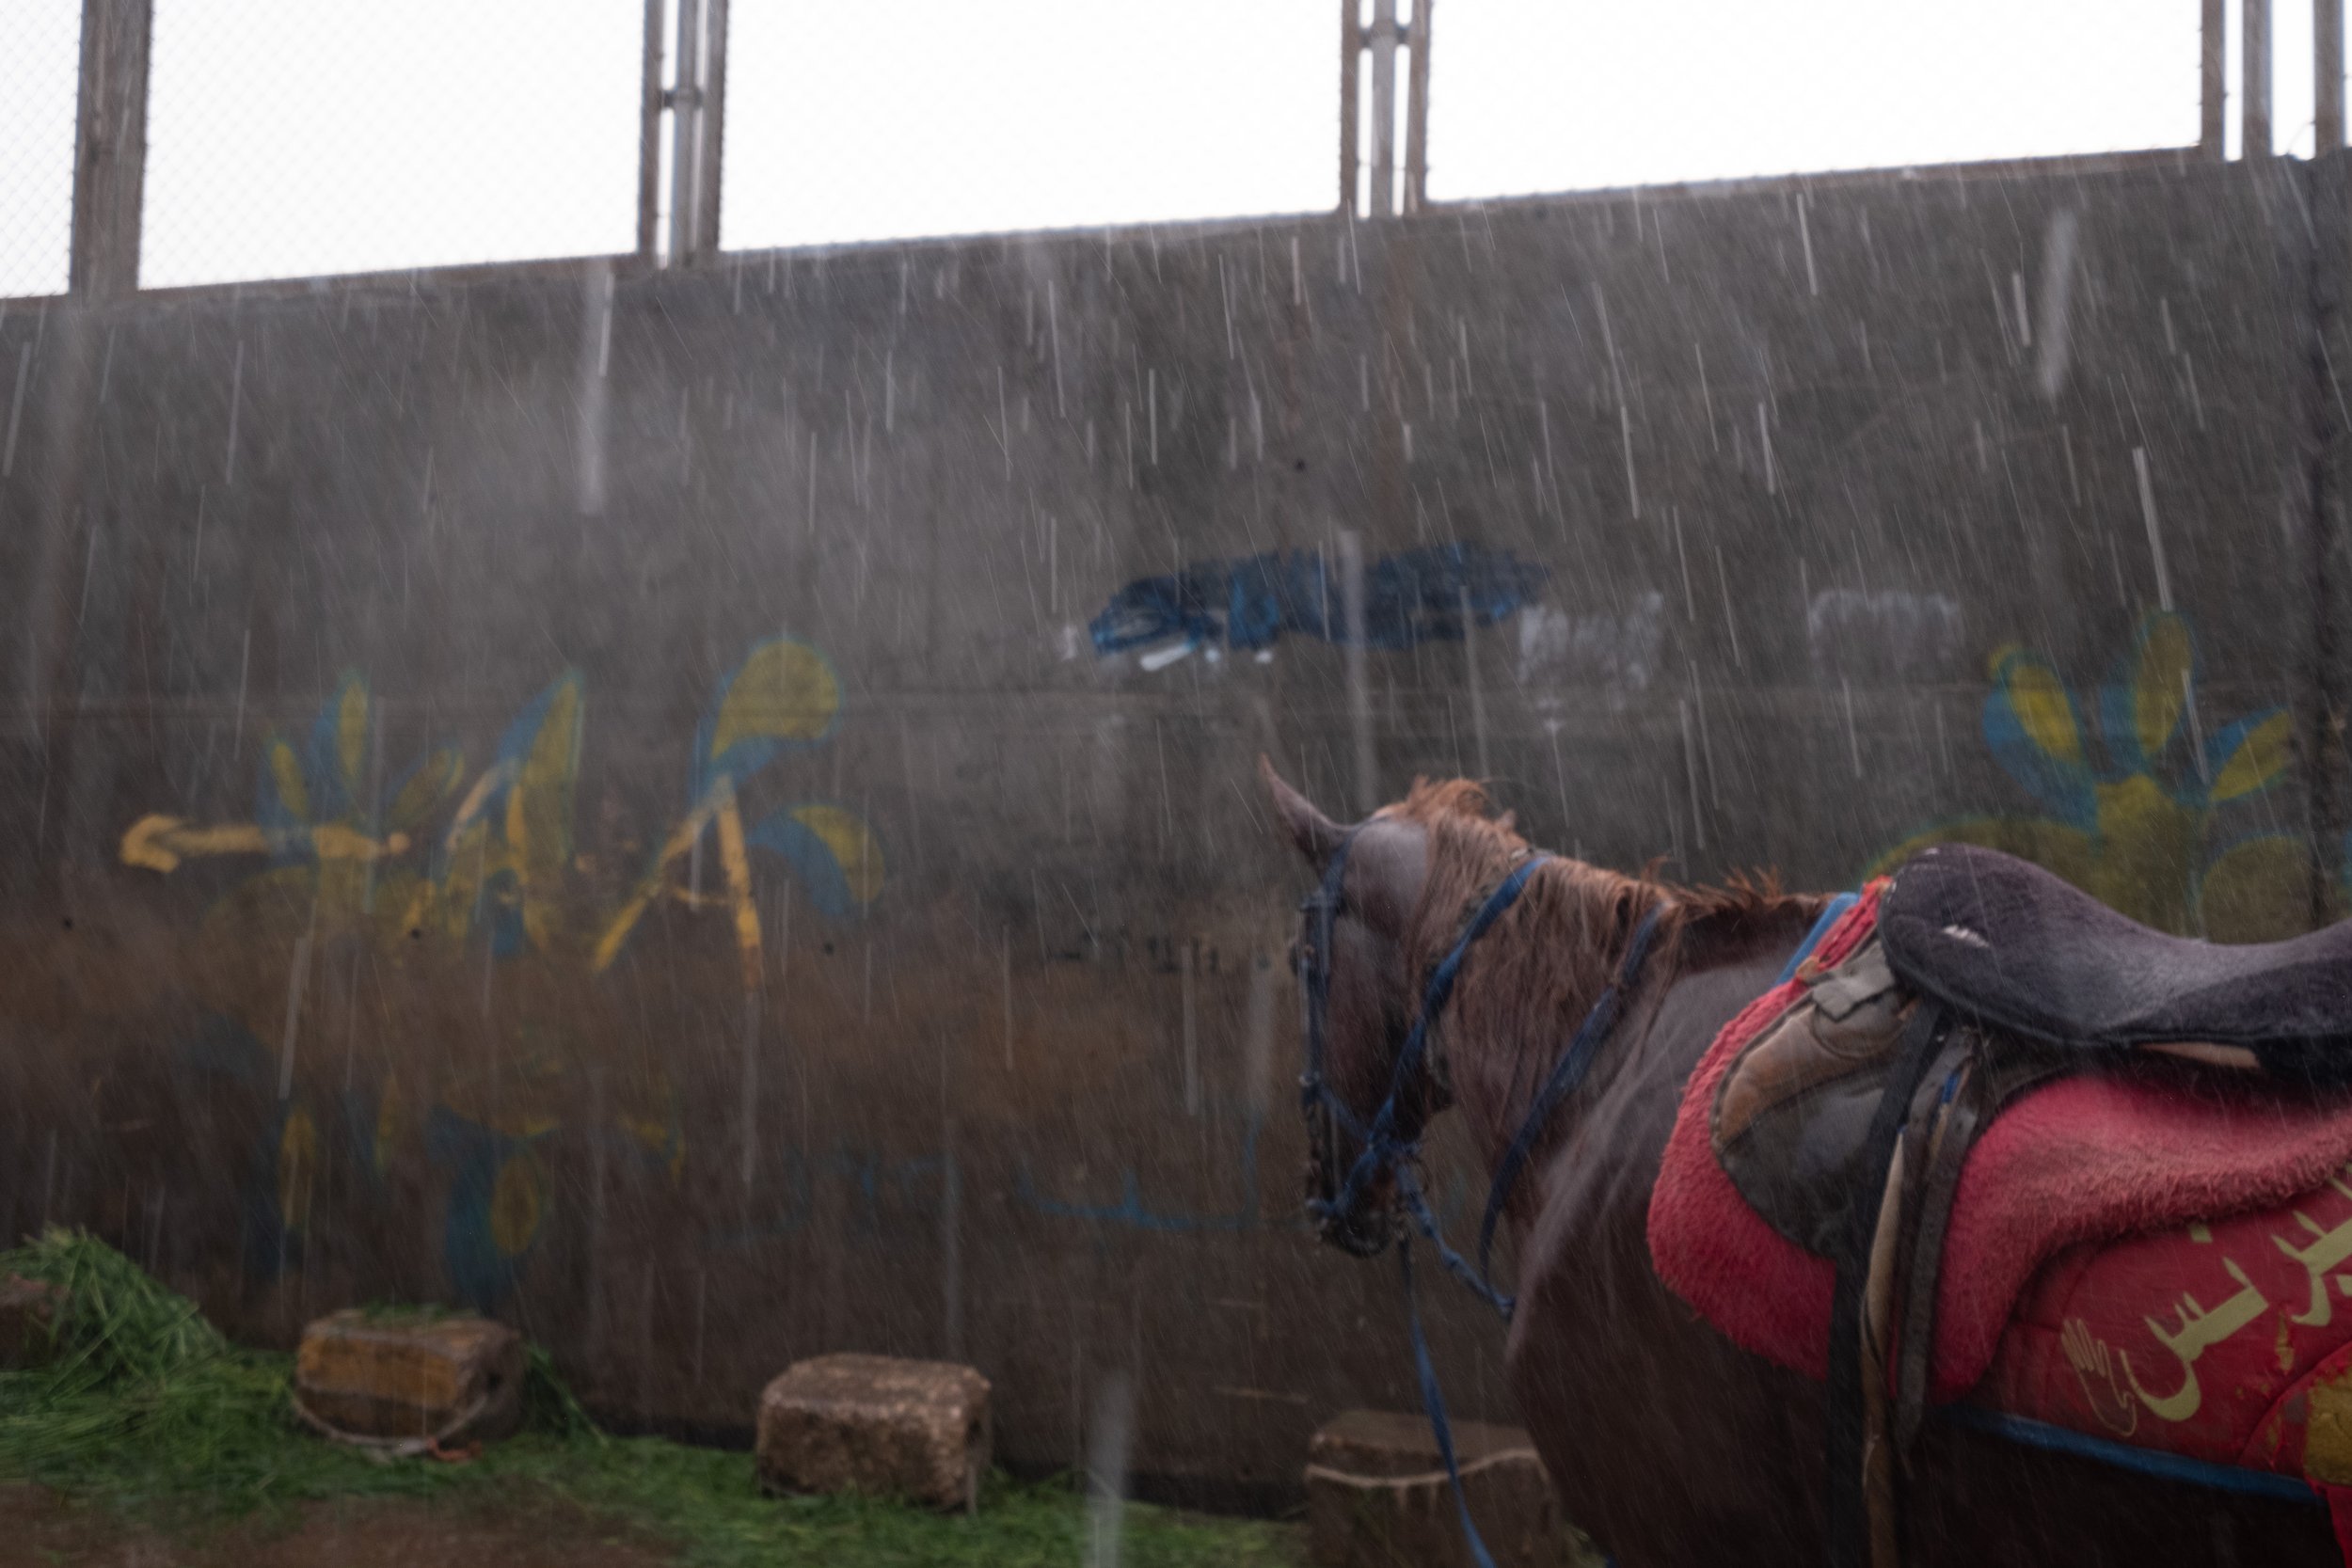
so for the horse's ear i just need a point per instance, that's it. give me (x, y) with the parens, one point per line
(1315, 834)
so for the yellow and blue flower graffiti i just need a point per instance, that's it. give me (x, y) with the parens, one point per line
(422, 864)
(783, 697)
(2144, 809)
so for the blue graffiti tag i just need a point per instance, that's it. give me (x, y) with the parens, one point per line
(1416, 596)
(1131, 1212)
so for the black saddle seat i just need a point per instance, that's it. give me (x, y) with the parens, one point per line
(2000, 939)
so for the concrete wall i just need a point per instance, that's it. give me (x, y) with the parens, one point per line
(367, 646)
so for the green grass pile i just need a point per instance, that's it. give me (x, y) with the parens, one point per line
(139, 1405)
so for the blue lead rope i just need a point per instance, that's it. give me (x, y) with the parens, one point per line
(1565, 1076)
(1472, 1277)
(1384, 1150)
(1432, 1403)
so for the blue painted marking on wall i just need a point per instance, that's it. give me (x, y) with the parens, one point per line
(476, 1272)
(1252, 601)
(819, 867)
(1132, 1211)
(917, 1184)
(925, 1184)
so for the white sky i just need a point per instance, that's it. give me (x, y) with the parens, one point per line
(299, 136)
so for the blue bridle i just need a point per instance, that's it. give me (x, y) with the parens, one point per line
(1387, 1151)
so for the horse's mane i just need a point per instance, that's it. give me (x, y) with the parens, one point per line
(1558, 947)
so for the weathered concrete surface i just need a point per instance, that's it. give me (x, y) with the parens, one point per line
(455, 1380)
(426, 877)
(881, 1425)
(1377, 1496)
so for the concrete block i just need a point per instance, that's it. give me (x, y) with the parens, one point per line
(1377, 1497)
(878, 1425)
(456, 1379)
(27, 1307)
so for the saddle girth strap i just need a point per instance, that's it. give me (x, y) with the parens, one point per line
(1850, 1356)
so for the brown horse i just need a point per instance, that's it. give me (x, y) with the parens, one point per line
(1667, 1443)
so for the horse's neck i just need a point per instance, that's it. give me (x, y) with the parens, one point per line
(1497, 1071)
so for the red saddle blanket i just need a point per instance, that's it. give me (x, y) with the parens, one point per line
(2124, 1259)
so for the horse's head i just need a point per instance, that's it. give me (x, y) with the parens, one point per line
(1356, 976)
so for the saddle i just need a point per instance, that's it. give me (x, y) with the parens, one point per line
(2042, 979)
(1846, 1123)
(2014, 947)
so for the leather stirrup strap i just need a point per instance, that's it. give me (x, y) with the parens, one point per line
(1848, 1514)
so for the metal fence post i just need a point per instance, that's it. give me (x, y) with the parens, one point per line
(1351, 49)
(109, 149)
(1417, 112)
(685, 100)
(2213, 81)
(649, 141)
(2254, 84)
(697, 104)
(710, 128)
(2328, 76)
(1383, 108)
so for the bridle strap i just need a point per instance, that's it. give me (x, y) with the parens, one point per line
(1324, 904)
(1382, 1147)
(1565, 1076)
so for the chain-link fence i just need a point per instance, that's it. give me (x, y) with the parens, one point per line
(289, 138)
(1546, 97)
(893, 117)
(41, 43)
(286, 139)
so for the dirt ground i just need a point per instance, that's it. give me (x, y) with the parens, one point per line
(38, 1529)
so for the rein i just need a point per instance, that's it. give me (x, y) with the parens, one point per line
(1384, 1150)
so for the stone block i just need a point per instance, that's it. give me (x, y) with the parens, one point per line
(368, 1375)
(877, 1425)
(1377, 1497)
(27, 1307)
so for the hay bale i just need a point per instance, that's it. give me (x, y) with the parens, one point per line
(404, 1380)
(1377, 1497)
(878, 1425)
(28, 1308)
